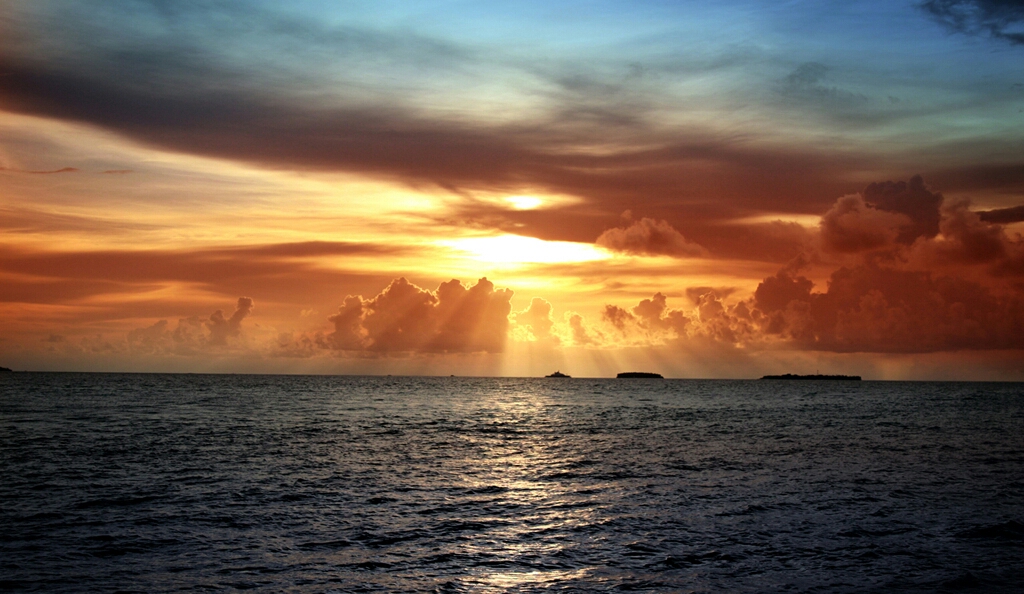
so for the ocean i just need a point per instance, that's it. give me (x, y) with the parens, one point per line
(161, 483)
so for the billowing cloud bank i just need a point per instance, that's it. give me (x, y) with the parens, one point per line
(406, 318)
(192, 335)
(912, 275)
(898, 269)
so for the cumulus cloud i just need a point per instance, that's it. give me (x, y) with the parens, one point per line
(888, 215)
(192, 335)
(913, 199)
(914, 275)
(652, 321)
(537, 317)
(649, 237)
(865, 308)
(407, 318)
(652, 316)
(852, 225)
(875, 309)
(222, 329)
(581, 335)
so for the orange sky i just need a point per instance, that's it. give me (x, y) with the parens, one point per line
(731, 208)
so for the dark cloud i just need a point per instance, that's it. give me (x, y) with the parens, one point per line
(1014, 214)
(649, 237)
(1001, 19)
(405, 318)
(855, 226)
(969, 239)
(222, 329)
(174, 92)
(883, 215)
(258, 126)
(896, 215)
(191, 336)
(912, 199)
(866, 308)
(925, 277)
(873, 309)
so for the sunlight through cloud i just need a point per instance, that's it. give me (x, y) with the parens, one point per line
(516, 249)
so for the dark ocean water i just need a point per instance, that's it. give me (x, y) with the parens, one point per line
(159, 483)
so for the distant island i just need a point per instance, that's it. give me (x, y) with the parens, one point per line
(558, 374)
(816, 376)
(639, 375)
(6, 370)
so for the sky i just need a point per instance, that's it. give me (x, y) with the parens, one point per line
(512, 188)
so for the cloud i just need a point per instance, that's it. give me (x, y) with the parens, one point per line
(537, 317)
(651, 321)
(1000, 19)
(805, 83)
(874, 309)
(222, 329)
(405, 318)
(883, 215)
(866, 308)
(694, 293)
(278, 269)
(191, 336)
(1014, 214)
(580, 333)
(852, 225)
(190, 92)
(61, 170)
(918, 276)
(968, 238)
(649, 237)
(913, 199)
(42, 172)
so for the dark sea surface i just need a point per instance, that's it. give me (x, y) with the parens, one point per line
(160, 483)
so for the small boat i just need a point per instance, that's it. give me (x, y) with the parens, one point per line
(558, 374)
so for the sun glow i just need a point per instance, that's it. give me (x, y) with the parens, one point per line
(524, 202)
(516, 249)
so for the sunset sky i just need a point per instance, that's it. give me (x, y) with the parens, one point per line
(510, 188)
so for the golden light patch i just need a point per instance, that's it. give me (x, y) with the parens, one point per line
(804, 220)
(516, 249)
(524, 202)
